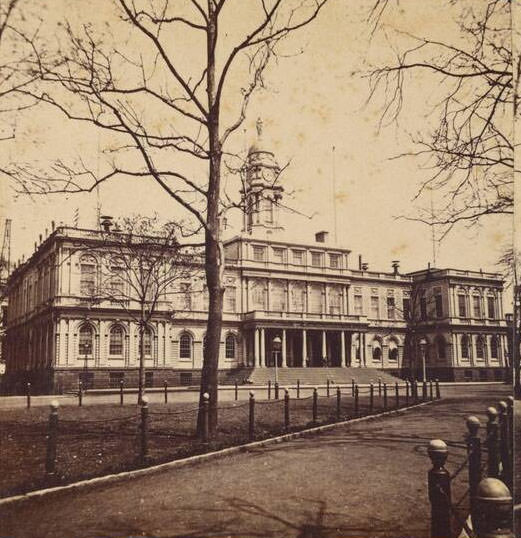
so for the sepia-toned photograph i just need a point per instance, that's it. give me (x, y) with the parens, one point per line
(260, 269)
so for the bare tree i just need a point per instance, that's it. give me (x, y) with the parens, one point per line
(181, 63)
(470, 151)
(142, 263)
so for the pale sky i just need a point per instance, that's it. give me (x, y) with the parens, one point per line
(314, 100)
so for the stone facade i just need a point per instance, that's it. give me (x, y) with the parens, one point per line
(325, 311)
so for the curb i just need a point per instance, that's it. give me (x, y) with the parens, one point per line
(127, 475)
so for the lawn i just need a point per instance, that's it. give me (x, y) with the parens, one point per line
(103, 439)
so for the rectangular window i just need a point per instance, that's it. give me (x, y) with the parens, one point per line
(476, 306)
(359, 308)
(87, 279)
(278, 255)
(316, 259)
(375, 307)
(115, 379)
(334, 261)
(406, 308)
(491, 307)
(116, 282)
(298, 257)
(185, 378)
(423, 308)
(439, 306)
(259, 253)
(230, 299)
(390, 308)
(462, 306)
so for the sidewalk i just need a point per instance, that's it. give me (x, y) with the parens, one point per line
(367, 479)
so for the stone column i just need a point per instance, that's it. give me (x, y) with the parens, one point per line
(284, 359)
(256, 358)
(347, 300)
(307, 298)
(454, 350)
(324, 348)
(262, 360)
(342, 349)
(304, 347)
(326, 300)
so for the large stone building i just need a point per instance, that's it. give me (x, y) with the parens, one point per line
(327, 311)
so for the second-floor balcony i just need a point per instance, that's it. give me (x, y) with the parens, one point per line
(304, 316)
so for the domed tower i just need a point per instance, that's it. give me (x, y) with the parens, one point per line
(261, 192)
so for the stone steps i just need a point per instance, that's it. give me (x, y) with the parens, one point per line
(308, 376)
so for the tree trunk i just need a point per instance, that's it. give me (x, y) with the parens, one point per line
(214, 261)
(141, 377)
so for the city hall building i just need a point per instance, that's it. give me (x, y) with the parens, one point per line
(326, 311)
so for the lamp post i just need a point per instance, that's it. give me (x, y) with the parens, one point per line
(277, 346)
(423, 350)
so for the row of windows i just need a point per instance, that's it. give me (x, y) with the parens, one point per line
(116, 341)
(477, 310)
(481, 347)
(298, 257)
(186, 346)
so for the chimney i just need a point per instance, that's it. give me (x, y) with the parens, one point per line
(360, 262)
(106, 222)
(365, 266)
(321, 237)
(396, 266)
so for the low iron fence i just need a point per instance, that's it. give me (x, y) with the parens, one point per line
(86, 443)
(489, 464)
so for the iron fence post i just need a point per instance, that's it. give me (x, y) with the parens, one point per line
(438, 393)
(286, 409)
(28, 394)
(251, 424)
(424, 391)
(504, 455)
(165, 387)
(298, 389)
(315, 405)
(236, 391)
(431, 392)
(276, 391)
(327, 387)
(356, 400)
(493, 510)
(406, 393)
(474, 456)
(371, 397)
(352, 387)
(397, 394)
(338, 404)
(52, 439)
(492, 442)
(379, 387)
(206, 417)
(269, 389)
(80, 394)
(385, 396)
(439, 490)
(121, 392)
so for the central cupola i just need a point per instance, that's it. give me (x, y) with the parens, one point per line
(261, 192)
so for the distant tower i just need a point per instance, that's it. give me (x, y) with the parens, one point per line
(261, 191)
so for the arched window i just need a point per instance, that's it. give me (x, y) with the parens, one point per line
(230, 347)
(85, 340)
(116, 340)
(441, 347)
(147, 342)
(88, 270)
(494, 347)
(480, 347)
(185, 346)
(464, 347)
(377, 350)
(393, 350)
